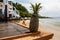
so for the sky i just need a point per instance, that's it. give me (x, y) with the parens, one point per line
(50, 8)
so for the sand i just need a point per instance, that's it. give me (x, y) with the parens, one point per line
(44, 27)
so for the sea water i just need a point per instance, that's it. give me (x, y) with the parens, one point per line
(55, 22)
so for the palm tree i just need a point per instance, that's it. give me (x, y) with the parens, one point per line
(34, 22)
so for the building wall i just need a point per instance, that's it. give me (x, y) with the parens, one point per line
(9, 9)
(2, 7)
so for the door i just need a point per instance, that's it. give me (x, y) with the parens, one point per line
(0, 13)
(10, 15)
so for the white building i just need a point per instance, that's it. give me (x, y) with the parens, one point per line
(12, 12)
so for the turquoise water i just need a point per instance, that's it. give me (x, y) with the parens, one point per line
(53, 21)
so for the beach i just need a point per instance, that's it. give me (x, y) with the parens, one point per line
(46, 26)
(51, 25)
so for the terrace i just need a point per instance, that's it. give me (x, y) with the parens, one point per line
(11, 29)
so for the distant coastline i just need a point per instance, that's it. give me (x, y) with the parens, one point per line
(44, 17)
(49, 17)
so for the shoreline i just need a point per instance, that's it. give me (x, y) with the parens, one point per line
(44, 27)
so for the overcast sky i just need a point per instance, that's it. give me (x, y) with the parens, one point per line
(50, 8)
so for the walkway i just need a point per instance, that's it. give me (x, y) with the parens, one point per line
(11, 29)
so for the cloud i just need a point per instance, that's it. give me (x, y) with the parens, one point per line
(50, 7)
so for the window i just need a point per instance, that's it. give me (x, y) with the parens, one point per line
(17, 12)
(10, 8)
(13, 8)
(13, 15)
(9, 11)
(10, 15)
(9, 2)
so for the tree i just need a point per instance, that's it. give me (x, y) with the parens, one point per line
(23, 11)
(34, 22)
